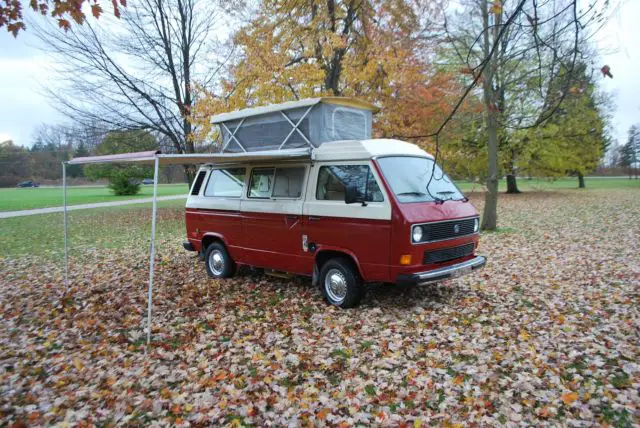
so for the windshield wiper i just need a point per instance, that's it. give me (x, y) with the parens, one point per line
(438, 200)
(449, 192)
(412, 194)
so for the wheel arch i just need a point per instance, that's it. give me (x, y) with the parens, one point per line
(324, 254)
(211, 237)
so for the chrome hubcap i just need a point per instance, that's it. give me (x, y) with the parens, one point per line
(216, 262)
(336, 285)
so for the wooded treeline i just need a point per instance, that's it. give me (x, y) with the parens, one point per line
(42, 161)
(492, 88)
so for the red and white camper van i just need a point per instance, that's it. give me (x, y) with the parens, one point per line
(302, 188)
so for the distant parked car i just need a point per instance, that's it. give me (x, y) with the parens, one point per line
(147, 181)
(28, 184)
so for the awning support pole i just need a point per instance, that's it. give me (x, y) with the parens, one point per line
(152, 252)
(64, 210)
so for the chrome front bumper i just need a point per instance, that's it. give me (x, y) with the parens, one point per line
(447, 272)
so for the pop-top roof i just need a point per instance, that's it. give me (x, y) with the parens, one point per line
(257, 111)
(295, 124)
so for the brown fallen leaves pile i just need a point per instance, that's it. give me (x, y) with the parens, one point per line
(548, 333)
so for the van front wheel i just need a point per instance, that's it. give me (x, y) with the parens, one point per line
(219, 263)
(341, 285)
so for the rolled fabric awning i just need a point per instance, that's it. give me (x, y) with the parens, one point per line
(196, 158)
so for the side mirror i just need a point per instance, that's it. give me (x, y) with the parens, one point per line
(350, 194)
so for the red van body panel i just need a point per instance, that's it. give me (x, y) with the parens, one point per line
(222, 224)
(275, 241)
(256, 239)
(375, 245)
(426, 212)
(367, 241)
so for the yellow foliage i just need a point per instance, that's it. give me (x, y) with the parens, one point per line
(366, 49)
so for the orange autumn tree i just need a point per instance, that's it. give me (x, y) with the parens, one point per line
(11, 12)
(418, 108)
(374, 50)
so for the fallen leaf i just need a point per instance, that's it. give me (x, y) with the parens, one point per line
(569, 398)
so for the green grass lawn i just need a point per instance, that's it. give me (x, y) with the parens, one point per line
(14, 199)
(129, 225)
(537, 184)
(42, 235)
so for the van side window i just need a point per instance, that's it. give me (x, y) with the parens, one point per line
(225, 183)
(288, 182)
(333, 179)
(261, 182)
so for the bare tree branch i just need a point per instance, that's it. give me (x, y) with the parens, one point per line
(138, 73)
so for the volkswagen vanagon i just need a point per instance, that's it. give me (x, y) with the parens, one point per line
(302, 188)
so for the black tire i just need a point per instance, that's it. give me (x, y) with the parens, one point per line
(342, 270)
(219, 263)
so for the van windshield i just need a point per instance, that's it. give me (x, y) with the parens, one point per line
(408, 177)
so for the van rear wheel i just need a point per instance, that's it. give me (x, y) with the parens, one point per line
(341, 285)
(219, 263)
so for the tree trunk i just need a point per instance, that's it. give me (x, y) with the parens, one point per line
(512, 184)
(490, 215)
(190, 173)
(189, 170)
(581, 181)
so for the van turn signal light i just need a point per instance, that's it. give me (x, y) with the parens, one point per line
(405, 259)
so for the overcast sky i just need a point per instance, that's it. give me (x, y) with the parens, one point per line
(24, 70)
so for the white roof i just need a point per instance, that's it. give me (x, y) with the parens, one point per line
(256, 111)
(366, 149)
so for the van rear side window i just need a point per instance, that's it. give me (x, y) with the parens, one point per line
(286, 184)
(225, 183)
(261, 183)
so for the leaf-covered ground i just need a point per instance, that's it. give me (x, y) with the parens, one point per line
(547, 333)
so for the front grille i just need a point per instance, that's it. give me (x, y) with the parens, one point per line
(447, 229)
(446, 254)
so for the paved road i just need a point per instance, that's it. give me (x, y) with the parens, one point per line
(8, 214)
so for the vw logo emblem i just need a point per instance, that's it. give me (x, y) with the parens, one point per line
(456, 228)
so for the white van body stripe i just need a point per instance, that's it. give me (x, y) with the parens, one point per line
(352, 152)
(373, 210)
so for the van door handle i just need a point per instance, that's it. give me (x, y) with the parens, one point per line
(314, 218)
(292, 217)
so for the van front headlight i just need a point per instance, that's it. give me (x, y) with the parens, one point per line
(476, 224)
(416, 234)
